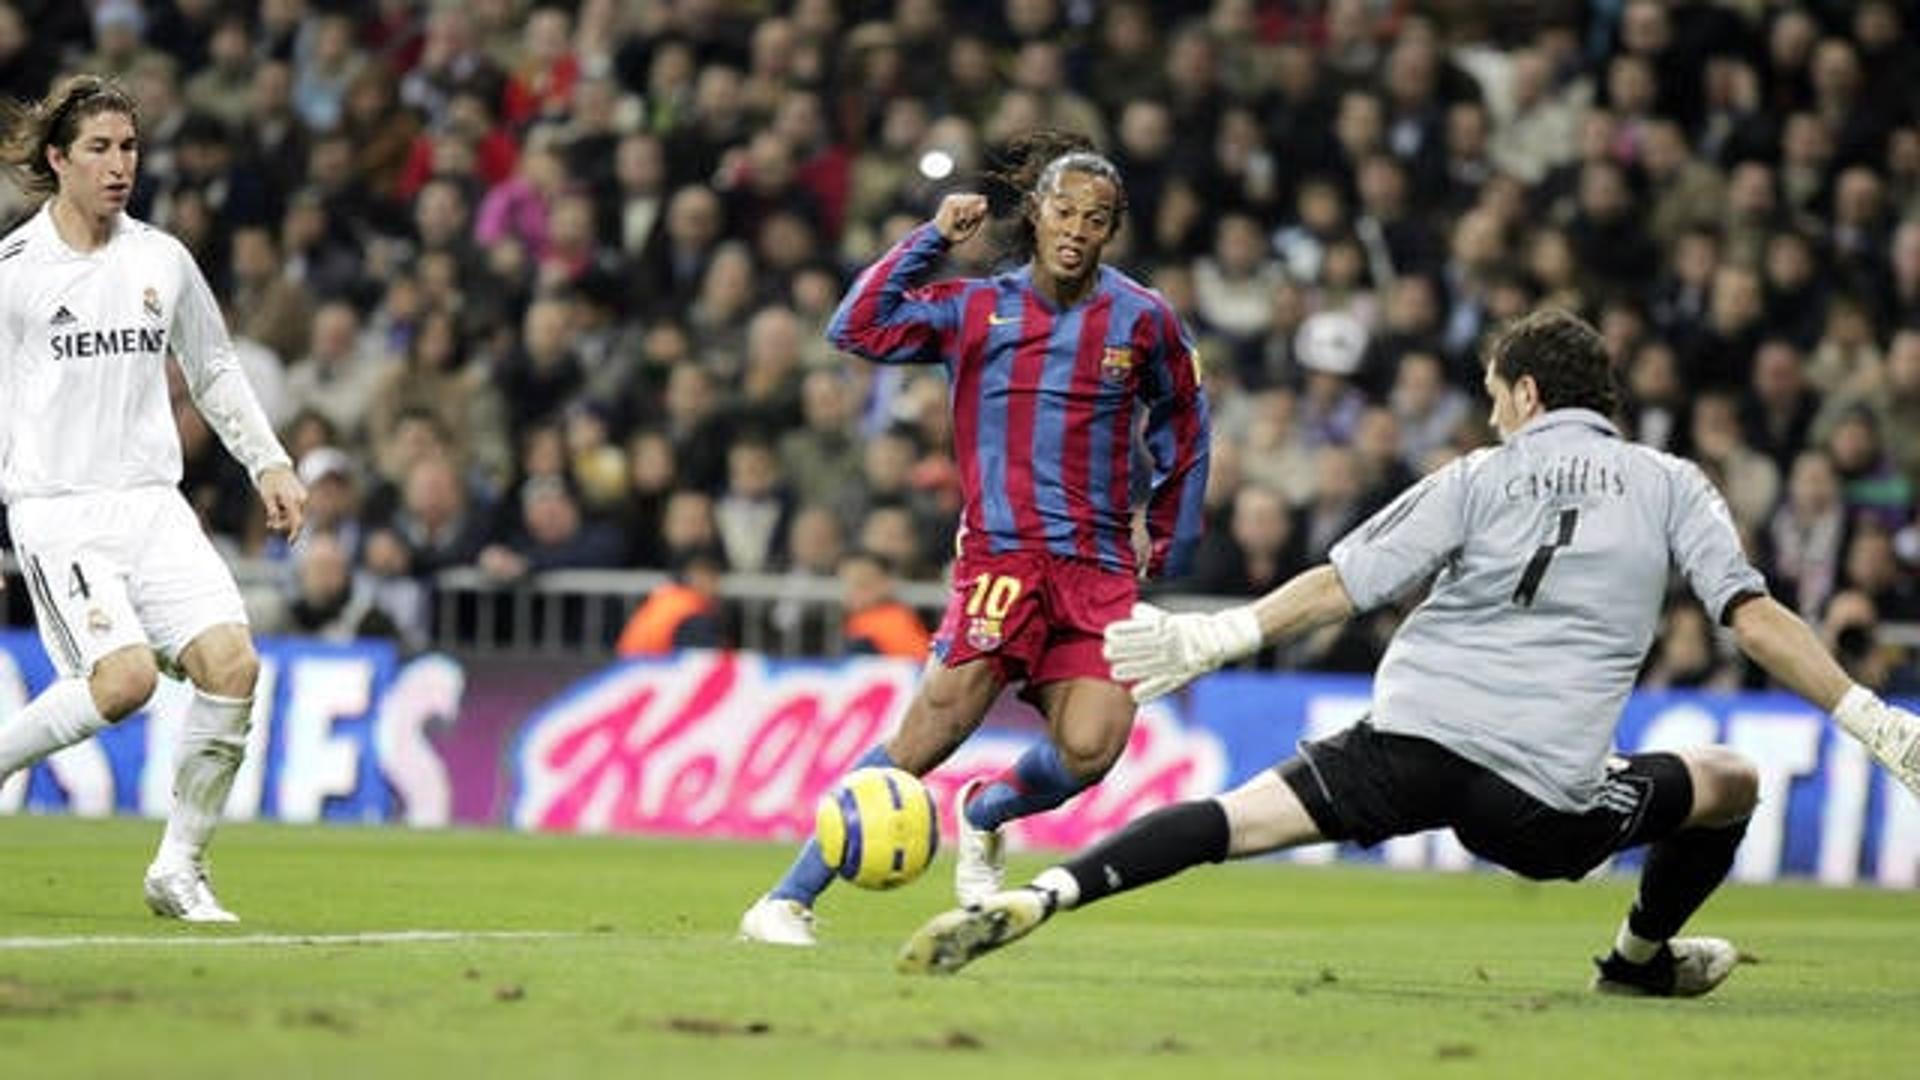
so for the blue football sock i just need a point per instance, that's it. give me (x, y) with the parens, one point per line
(810, 875)
(1038, 781)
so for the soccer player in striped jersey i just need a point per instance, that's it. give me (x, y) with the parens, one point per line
(1546, 563)
(91, 303)
(1053, 366)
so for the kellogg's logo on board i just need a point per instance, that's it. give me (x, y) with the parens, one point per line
(728, 744)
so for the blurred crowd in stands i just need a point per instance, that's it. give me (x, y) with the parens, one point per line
(534, 285)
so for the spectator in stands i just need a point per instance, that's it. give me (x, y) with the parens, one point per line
(223, 86)
(1331, 347)
(877, 623)
(693, 419)
(1336, 506)
(1429, 410)
(892, 531)
(1779, 407)
(1376, 446)
(1873, 568)
(552, 534)
(27, 65)
(544, 372)
(339, 374)
(752, 512)
(1890, 393)
(1870, 485)
(1746, 477)
(822, 458)
(330, 604)
(1277, 453)
(1257, 551)
(1804, 544)
(266, 303)
(684, 613)
(1848, 629)
(687, 524)
(436, 528)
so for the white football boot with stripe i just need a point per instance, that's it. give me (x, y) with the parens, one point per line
(184, 892)
(774, 921)
(980, 861)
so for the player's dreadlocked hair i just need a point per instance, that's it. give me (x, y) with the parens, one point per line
(1565, 355)
(1031, 166)
(26, 130)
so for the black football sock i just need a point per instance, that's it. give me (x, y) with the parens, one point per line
(1681, 872)
(1159, 845)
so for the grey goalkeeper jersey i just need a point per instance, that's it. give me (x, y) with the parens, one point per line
(1549, 558)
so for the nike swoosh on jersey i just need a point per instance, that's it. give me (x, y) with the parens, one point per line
(996, 319)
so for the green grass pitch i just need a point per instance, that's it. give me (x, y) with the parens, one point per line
(1250, 970)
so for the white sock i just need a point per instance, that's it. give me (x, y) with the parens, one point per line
(1634, 948)
(213, 739)
(62, 715)
(1056, 880)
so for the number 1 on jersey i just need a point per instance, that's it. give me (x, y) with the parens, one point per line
(1537, 566)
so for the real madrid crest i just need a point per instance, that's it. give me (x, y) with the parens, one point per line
(99, 623)
(150, 299)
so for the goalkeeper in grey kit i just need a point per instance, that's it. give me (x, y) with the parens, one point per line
(1495, 706)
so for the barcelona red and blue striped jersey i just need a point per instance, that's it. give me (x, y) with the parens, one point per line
(1046, 402)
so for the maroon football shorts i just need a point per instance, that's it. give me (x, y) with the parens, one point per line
(1037, 617)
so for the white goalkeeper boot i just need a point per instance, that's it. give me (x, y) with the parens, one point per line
(980, 863)
(182, 891)
(1684, 967)
(774, 921)
(951, 941)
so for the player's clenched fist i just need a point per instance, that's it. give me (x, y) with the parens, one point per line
(960, 216)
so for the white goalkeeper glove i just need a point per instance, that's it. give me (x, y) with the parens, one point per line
(1160, 652)
(1890, 733)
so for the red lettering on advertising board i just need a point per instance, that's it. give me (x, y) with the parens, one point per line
(716, 745)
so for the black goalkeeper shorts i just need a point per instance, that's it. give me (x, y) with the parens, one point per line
(1365, 786)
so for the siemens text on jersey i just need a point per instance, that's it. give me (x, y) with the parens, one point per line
(124, 341)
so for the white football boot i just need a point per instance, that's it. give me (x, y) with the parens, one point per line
(951, 941)
(773, 921)
(1687, 967)
(980, 862)
(183, 892)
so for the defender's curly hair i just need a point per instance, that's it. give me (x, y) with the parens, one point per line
(27, 129)
(1566, 356)
(1031, 166)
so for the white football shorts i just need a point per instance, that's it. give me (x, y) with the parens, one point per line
(111, 569)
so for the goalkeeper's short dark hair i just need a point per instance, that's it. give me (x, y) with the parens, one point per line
(1566, 356)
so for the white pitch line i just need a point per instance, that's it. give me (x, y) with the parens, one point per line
(388, 937)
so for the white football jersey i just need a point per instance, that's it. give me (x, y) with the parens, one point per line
(84, 339)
